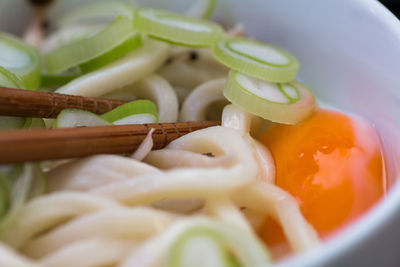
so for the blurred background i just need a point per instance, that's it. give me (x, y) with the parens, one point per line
(393, 5)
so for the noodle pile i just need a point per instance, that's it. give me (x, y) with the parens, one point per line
(110, 210)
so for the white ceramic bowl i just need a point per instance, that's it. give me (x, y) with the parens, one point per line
(350, 56)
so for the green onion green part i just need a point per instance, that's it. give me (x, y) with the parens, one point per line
(20, 59)
(56, 80)
(177, 29)
(288, 103)
(257, 59)
(90, 48)
(135, 112)
(133, 42)
(69, 118)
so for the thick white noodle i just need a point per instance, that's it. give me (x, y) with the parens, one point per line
(122, 223)
(90, 252)
(226, 211)
(183, 206)
(244, 122)
(89, 173)
(46, 212)
(235, 118)
(131, 68)
(194, 108)
(11, 258)
(145, 147)
(270, 199)
(156, 89)
(187, 159)
(195, 182)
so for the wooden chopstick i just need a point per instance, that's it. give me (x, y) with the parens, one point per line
(25, 103)
(50, 144)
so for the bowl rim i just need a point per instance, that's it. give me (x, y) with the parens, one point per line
(364, 228)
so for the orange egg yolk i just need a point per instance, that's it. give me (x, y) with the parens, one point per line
(331, 164)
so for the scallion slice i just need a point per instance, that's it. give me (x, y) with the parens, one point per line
(90, 48)
(98, 12)
(200, 247)
(133, 42)
(10, 80)
(21, 59)
(23, 179)
(257, 59)
(135, 112)
(56, 80)
(202, 9)
(177, 29)
(34, 123)
(287, 103)
(205, 242)
(69, 118)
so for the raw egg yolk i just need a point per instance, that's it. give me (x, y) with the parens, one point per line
(331, 164)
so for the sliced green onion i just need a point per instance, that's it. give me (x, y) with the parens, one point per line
(4, 194)
(10, 80)
(213, 244)
(34, 123)
(69, 118)
(177, 29)
(10, 123)
(202, 9)
(98, 12)
(257, 59)
(69, 34)
(22, 180)
(135, 112)
(288, 103)
(89, 48)
(21, 59)
(56, 80)
(200, 247)
(133, 42)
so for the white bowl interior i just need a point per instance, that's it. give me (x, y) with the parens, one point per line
(350, 56)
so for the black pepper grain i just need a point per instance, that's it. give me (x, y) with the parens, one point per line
(193, 55)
